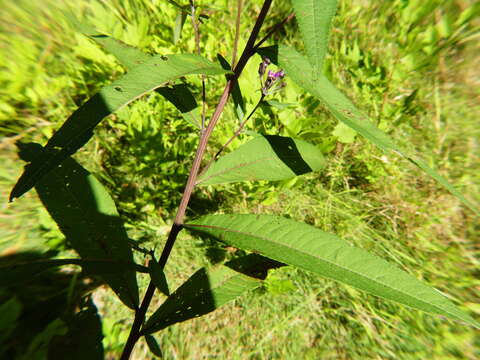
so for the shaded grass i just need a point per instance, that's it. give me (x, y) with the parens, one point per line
(416, 85)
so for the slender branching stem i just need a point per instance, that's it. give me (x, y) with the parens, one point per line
(273, 30)
(196, 30)
(135, 332)
(236, 134)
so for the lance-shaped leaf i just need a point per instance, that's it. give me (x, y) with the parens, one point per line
(207, 290)
(87, 216)
(314, 18)
(237, 97)
(78, 128)
(128, 56)
(268, 157)
(19, 272)
(179, 95)
(299, 70)
(311, 249)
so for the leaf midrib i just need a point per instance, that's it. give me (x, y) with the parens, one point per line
(326, 261)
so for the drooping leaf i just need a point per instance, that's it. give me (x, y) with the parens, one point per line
(204, 292)
(87, 216)
(181, 97)
(268, 157)
(299, 70)
(311, 249)
(314, 18)
(83, 340)
(78, 128)
(153, 346)
(179, 22)
(17, 273)
(237, 97)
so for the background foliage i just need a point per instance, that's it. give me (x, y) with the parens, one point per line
(409, 64)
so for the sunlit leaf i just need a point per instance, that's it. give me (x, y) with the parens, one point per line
(267, 157)
(78, 129)
(314, 18)
(311, 249)
(299, 70)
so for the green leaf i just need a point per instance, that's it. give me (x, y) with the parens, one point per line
(311, 249)
(344, 133)
(237, 97)
(153, 346)
(129, 56)
(179, 22)
(181, 97)
(78, 129)
(301, 72)
(204, 292)
(314, 18)
(268, 157)
(158, 277)
(87, 216)
(19, 272)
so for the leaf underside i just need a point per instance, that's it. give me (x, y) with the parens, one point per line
(311, 249)
(207, 290)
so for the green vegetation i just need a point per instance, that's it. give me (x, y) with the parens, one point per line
(410, 65)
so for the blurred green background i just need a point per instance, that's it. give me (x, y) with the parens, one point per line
(411, 65)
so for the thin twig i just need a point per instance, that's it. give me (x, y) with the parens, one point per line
(274, 29)
(237, 132)
(135, 332)
(196, 31)
(237, 32)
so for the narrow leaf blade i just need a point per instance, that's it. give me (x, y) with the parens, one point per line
(299, 70)
(78, 128)
(311, 249)
(267, 157)
(203, 292)
(314, 18)
(153, 346)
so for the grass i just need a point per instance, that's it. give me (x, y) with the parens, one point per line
(411, 65)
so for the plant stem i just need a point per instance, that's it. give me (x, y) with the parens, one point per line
(237, 132)
(237, 32)
(196, 31)
(135, 332)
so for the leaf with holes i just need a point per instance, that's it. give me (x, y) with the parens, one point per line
(207, 290)
(268, 157)
(87, 216)
(299, 70)
(311, 249)
(78, 128)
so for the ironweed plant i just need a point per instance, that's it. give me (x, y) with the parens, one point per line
(87, 215)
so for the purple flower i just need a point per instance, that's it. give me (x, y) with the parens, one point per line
(272, 78)
(263, 66)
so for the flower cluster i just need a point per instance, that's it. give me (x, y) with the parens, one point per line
(272, 82)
